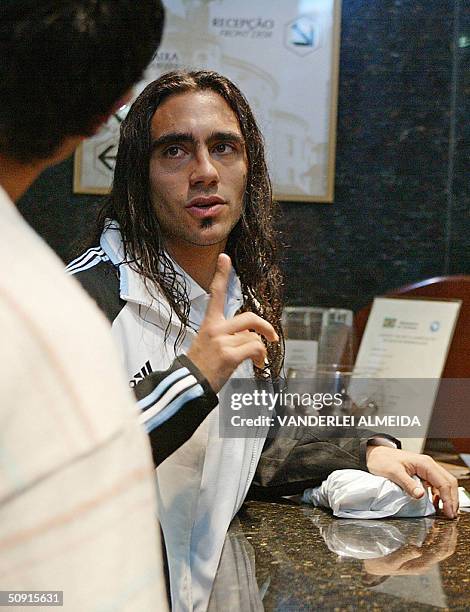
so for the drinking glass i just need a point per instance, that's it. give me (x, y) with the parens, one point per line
(336, 342)
(302, 329)
(361, 394)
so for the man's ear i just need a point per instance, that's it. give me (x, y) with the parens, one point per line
(100, 120)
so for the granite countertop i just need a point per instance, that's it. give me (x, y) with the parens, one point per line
(282, 556)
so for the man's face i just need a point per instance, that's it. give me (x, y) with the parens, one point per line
(198, 169)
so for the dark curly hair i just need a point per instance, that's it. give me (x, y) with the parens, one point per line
(252, 244)
(64, 63)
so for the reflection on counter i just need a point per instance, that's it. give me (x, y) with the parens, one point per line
(235, 586)
(281, 556)
(411, 547)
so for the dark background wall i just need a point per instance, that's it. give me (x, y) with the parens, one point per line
(402, 204)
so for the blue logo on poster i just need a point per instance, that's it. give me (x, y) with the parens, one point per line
(302, 32)
(435, 325)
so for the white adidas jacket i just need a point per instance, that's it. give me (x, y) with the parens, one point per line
(204, 483)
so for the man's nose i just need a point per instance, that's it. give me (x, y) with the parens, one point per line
(204, 171)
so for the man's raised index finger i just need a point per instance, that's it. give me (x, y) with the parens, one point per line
(218, 288)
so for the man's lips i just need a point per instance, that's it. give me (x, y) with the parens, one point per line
(205, 206)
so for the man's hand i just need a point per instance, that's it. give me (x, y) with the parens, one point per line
(222, 345)
(399, 466)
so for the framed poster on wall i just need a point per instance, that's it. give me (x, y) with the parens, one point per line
(283, 56)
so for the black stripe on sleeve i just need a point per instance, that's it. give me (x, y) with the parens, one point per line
(175, 431)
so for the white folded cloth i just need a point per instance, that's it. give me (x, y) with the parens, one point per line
(358, 494)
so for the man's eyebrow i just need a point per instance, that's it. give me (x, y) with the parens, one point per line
(227, 137)
(173, 138)
(187, 137)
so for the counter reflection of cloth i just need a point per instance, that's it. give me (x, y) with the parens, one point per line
(400, 557)
(369, 539)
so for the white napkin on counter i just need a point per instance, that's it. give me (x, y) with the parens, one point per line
(358, 494)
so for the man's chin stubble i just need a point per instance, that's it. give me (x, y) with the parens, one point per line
(207, 223)
(204, 225)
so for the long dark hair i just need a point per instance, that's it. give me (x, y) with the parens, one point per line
(252, 244)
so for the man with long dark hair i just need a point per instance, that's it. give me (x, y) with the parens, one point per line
(154, 236)
(191, 183)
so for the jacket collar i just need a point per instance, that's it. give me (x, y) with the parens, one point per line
(133, 289)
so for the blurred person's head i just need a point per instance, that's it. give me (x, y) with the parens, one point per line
(160, 171)
(65, 65)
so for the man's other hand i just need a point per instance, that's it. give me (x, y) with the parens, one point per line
(221, 345)
(399, 466)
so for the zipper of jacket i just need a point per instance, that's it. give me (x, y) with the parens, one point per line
(257, 438)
